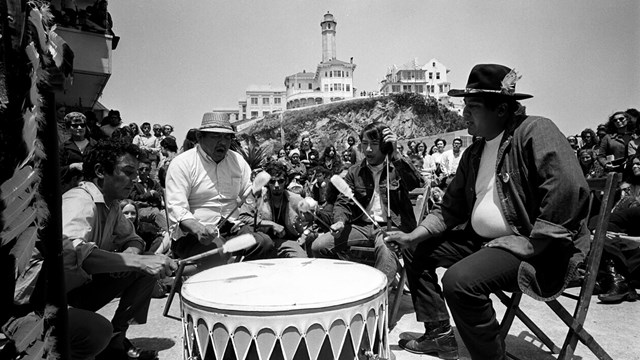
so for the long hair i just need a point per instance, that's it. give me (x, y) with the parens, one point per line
(628, 170)
(611, 126)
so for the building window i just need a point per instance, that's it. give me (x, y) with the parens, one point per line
(299, 85)
(440, 86)
(310, 86)
(406, 88)
(330, 73)
(325, 74)
(254, 101)
(434, 64)
(433, 88)
(347, 74)
(437, 76)
(264, 113)
(326, 87)
(430, 75)
(395, 88)
(348, 87)
(254, 114)
(277, 101)
(265, 101)
(419, 89)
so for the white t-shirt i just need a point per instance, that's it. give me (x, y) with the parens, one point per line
(487, 218)
(375, 205)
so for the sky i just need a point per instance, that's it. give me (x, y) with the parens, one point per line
(179, 59)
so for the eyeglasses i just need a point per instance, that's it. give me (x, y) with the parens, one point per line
(78, 126)
(157, 129)
(620, 119)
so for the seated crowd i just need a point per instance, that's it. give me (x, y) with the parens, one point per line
(134, 203)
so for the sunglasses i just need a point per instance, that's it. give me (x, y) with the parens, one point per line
(273, 181)
(157, 129)
(78, 126)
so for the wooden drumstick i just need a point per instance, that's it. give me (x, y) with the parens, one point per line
(388, 196)
(261, 180)
(344, 188)
(232, 245)
(309, 205)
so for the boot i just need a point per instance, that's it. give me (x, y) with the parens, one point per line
(440, 341)
(619, 288)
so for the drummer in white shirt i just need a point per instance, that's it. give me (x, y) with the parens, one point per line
(203, 185)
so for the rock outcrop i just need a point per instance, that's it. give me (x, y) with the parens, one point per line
(409, 115)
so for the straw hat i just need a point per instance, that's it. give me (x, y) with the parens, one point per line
(216, 122)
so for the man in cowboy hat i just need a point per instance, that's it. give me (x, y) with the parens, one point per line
(511, 219)
(202, 187)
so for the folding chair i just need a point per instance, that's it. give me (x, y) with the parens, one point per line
(575, 322)
(420, 210)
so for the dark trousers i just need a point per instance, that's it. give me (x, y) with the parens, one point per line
(626, 254)
(362, 235)
(134, 290)
(473, 274)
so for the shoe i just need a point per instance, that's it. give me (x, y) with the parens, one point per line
(135, 353)
(618, 288)
(619, 292)
(444, 345)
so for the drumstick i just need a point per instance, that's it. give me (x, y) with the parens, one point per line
(388, 197)
(344, 188)
(265, 178)
(261, 180)
(232, 245)
(309, 205)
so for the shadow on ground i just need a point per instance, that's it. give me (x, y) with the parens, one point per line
(153, 343)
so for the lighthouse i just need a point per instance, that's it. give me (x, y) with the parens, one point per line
(328, 26)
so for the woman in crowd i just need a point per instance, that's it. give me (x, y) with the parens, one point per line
(589, 139)
(73, 150)
(613, 146)
(151, 232)
(573, 142)
(591, 168)
(330, 160)
(190, 140)
(630, 186)
(135, 130)
(411, 148)
(283, 158)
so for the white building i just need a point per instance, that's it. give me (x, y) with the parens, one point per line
(429, 79)
(332, 80)
(261, 100)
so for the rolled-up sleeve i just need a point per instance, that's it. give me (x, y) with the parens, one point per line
(178, 187)
(77, 226)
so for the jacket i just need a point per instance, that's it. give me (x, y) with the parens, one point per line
(544, 197)
(404, 178)
(293, 221)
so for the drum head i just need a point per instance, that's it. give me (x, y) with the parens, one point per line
(275, 285)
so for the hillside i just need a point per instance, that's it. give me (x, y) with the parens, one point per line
(409, 115)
